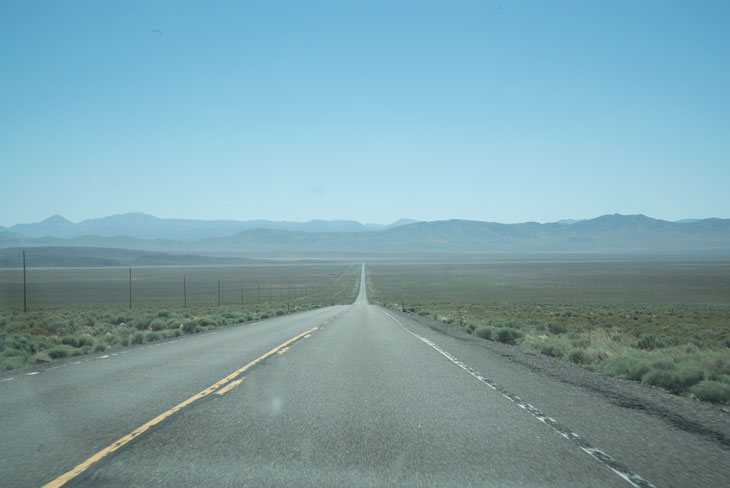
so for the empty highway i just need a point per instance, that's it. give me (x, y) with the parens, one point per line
(343, 396)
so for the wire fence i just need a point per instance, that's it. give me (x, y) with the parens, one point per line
(170, 286)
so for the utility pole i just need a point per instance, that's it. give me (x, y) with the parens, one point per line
(241, 293)
(130, 288)
(25, 298)
(185, 293)
(219, 292)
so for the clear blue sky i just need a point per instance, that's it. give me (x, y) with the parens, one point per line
(364, 110)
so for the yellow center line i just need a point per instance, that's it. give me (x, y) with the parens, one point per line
(64, 478)
(229, 386)
(282, 351)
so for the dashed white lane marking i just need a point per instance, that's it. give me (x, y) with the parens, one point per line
(632, 478)
(75, 363)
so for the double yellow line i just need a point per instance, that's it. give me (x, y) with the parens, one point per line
(220, 388)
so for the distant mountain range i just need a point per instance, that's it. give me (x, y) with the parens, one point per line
(143, 226)
(56, 256)
(608, 233)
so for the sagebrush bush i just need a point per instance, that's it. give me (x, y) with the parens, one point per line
(712, 391)
(23, 342)
(188, 326)
(141, 323)
(158, 325)
(485, 333)
(677, 381)
(627, 366)
(508, 335)
(578, 356)
(557, 329)
(552, 350)
(651, 341)
(70, 341)
(61, 351)
(11, 362)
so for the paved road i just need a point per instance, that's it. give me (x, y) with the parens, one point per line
(361, 397)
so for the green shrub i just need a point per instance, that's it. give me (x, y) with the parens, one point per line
(85, 340)
(141, 323)
(188, 326)
(60, 327)
(664, 364)
(650, 341)
(280, 312)
(712, 391)
(508, 336)
(24, 342)
(552, 350)
(11, 351)
(70, 341)
(163, 314)
(60, 351)
(578, 356)
(628, 367)
(100, 347)
(485, 333)
(119, 319)
(716, 364)
(581, 342)
(11, 362)
(676, 381)
(138, 338)
(158, 324)
(152, 336)
(557, 329)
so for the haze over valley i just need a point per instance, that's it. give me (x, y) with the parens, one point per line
(608, 233)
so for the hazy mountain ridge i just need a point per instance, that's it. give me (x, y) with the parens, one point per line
(608, 233)
(58, 256)
(143, 226)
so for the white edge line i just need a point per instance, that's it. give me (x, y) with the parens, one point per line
(601, 456)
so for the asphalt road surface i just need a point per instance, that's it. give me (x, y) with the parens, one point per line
(343, 396)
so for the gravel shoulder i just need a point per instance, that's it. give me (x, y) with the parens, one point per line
(707, 420)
